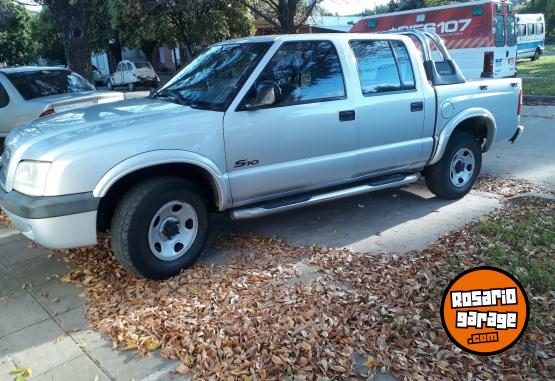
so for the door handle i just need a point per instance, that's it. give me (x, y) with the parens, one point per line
(347, 115)
(416, 106)
(483, 87)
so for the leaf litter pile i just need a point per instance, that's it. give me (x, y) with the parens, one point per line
(507, 187)
(258, 317)
(4, 220)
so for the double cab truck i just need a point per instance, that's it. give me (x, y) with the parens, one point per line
(254, 126)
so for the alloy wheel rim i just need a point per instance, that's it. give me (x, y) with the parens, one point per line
(462, 167)
(172, 230)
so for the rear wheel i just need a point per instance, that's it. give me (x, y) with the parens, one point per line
(109, 84)
(536, 55)
(131, 86)
(455, 174)
(160, 227)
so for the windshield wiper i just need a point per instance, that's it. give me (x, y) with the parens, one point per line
(180, 99)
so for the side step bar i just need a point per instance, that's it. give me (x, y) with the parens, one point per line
(298, 202)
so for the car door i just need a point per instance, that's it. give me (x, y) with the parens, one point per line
(128, 76)
(117, 77)
(390, 118)
(5, 122)
(299, 143)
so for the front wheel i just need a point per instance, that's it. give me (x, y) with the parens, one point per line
(536, 55)
(109, 84)
(160, 227)
(131, 86)
(455, 174)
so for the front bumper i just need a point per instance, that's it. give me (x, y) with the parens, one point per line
(518, 132)
(57, 222)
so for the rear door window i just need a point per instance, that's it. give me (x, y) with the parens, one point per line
(531, 29)
(540, 28)
(499, 30)
(4, 97)
(405, 66)
(377, 69)
(511, 35)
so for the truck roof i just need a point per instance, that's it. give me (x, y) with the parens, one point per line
(313, 36)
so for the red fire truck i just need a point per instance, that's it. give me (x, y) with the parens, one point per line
(480, 35)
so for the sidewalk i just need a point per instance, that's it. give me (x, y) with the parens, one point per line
(42, 325)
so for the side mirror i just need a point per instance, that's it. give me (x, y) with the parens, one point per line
(268, 93)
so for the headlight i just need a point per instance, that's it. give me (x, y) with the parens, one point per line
(30, 177)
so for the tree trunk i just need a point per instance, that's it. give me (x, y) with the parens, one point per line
(72, 18)
(78, 56)
(189, 50)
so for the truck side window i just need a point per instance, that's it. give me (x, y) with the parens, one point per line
(531, 29)
(522, 29)
(4, 97)
(499, 30)
(405, 66)
(377, 69)
(540, 28)
(306, 71)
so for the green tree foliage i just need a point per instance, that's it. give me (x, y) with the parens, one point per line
(286, 16)
(547, 7)
(192, 22)
(46, 36)
(16, 44)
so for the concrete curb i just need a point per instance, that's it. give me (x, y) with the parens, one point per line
(546, 196)
(542, 99)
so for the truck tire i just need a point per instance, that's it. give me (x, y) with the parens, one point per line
(455, 174)
(159, 227)
(536, 55)
(131, 86)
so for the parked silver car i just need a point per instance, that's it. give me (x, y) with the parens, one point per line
(254, 126)
(30, 92)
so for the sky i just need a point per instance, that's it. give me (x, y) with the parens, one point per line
(350, 7)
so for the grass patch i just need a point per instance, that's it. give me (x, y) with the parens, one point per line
(543, 86)
(522, 241)
(542, 71)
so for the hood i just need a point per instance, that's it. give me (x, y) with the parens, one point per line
(94, 126)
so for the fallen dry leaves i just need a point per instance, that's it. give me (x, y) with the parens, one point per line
(4, 220)
(257, 318)
(506, 187)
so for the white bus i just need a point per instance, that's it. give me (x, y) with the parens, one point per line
(530, 35)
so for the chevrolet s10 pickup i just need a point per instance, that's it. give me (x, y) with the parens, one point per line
(254, 126)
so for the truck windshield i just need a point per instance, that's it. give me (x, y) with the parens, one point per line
(212, 80)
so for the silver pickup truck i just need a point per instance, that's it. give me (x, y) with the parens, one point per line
(254, 126)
